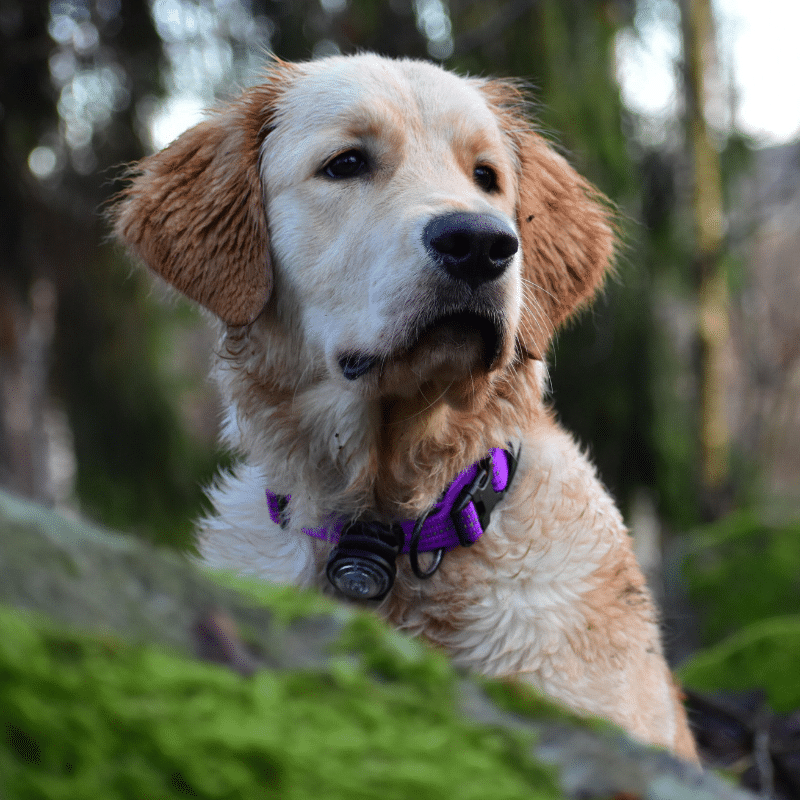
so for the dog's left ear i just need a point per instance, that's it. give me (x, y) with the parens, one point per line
(567, 239)
(195, 214)
(566, 225)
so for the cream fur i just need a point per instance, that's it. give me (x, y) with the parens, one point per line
(551, 594)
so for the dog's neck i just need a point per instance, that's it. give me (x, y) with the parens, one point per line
(337, 452)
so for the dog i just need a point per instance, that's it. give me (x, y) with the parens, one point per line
(388, 248)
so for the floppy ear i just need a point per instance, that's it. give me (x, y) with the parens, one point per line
(566, 225)
(194, 213)
(567, 239)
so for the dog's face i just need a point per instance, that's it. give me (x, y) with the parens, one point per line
(391, 211)
(405, 227)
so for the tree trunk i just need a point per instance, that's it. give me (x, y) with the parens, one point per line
(712, 289)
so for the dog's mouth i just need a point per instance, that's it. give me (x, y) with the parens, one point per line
(461, 336)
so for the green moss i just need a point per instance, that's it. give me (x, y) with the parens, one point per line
(741, 570)
(392, 656)
(86, 716)
(765, 654)
(287, 603)
(381, 651)
(518, 698)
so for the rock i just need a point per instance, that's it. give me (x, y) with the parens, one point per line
(131, 672)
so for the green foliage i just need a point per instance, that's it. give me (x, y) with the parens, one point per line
(765, 654)
(581, 99)
(743, 575)
(394, 656)
(736, 159)
(673, 436)
(601, 378)
(139, 468)
(88, 716)
(741, 570)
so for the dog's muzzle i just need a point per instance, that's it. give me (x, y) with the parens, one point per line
(473, 250)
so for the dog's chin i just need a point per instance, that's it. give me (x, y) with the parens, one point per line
(455, 345)
(451, 359)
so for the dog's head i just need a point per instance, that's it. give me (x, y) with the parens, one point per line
(406, 226)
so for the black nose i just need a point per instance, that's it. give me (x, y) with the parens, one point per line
(470, 247)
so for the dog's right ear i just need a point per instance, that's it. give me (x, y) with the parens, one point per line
(195, 214)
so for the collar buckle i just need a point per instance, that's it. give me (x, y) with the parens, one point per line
(482, 494)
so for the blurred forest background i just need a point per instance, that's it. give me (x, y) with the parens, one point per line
(683, 379)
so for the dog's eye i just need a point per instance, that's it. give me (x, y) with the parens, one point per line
(486, 178)
(346, 165)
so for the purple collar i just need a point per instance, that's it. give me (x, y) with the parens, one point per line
(460, 516)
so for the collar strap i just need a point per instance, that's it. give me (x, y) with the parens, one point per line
(460, 516)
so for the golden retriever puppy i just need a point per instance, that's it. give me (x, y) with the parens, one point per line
(388, 248)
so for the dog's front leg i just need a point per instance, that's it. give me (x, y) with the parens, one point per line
(552, 595)
(603, 656)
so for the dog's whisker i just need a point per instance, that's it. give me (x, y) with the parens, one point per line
(538, 287)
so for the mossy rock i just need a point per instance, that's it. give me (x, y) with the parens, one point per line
(765, 654)
(741, 570)
(89, 717)
(129, 672)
